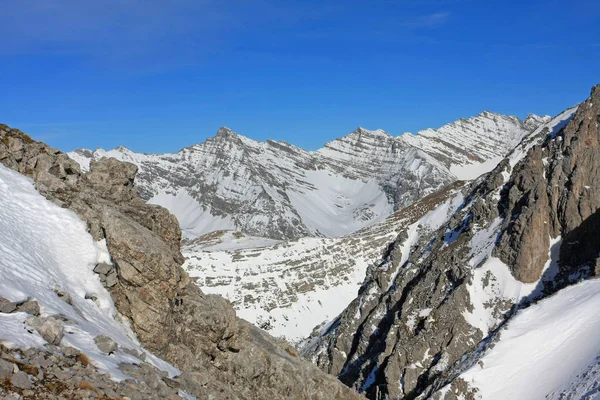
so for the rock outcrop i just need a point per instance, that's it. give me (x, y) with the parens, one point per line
(64, 372)
(452, 288)
(223, 356)
(553, 192)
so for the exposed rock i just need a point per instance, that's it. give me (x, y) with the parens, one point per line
(106, 344)
(30, 307)
(6, 369)
(21, 380)
(50, 328)
(172, 318)
(7, 306)
(103, 268)
(413, 336)
(111, 280)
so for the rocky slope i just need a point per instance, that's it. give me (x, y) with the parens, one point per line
(288, 288)
(429, 311)
(221, 356)
(279, 191)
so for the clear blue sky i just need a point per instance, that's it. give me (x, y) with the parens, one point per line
(156, 76)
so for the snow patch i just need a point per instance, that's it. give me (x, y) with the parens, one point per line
(545, 349)
(467, 172)
(194, 219)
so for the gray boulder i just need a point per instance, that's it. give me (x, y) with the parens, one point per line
(106, 344)
(50, 328)
(30, 307)
(7, 306)
(103, 268)
(6, 369)
(21, 380)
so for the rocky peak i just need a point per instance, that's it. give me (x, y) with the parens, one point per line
(533, 121)
(376, 132)
(362, 134)
(225, 133)
(272, 189)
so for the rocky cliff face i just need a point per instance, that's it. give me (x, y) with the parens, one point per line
(428, 311)
(223, 357)
(279, 191)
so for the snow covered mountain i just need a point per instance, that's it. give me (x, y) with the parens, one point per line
(279, 191)
(290, 287)
(475, 306)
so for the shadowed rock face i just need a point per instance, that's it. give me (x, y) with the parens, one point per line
(223, 357)
(413, 336)
(552, 192)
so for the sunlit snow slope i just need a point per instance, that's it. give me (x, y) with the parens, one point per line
(550, 350)
(45, 250)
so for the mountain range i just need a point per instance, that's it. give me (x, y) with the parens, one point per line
(279, 191)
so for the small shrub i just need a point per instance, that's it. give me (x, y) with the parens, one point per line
(83, 359)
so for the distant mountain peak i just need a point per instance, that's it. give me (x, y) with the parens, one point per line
(225, 132)
(376, 132)
(532, 121)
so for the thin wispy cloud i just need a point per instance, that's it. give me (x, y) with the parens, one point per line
(115, 29)
(427, 21)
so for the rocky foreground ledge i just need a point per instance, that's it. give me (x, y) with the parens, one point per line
(221, 356)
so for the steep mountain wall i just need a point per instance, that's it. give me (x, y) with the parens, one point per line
(523, 231)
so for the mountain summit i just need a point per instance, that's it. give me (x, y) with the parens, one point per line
(279, 191)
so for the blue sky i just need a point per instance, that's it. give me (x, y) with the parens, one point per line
(157, 76)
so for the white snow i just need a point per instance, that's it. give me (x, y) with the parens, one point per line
(261, 282)
(431, 221)
(194, 219)
(545, 350)
(501, 285)
(553, 127)
(44, 248)
(467, 172)
(329, 208)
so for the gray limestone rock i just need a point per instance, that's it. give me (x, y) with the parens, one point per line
(21, 380)
(105, 344)
(6, 369)
(50, 328)
(172, 318)
(111, 280)
(406, 334)
(103, 268)
(7, 306)
(30, 307)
